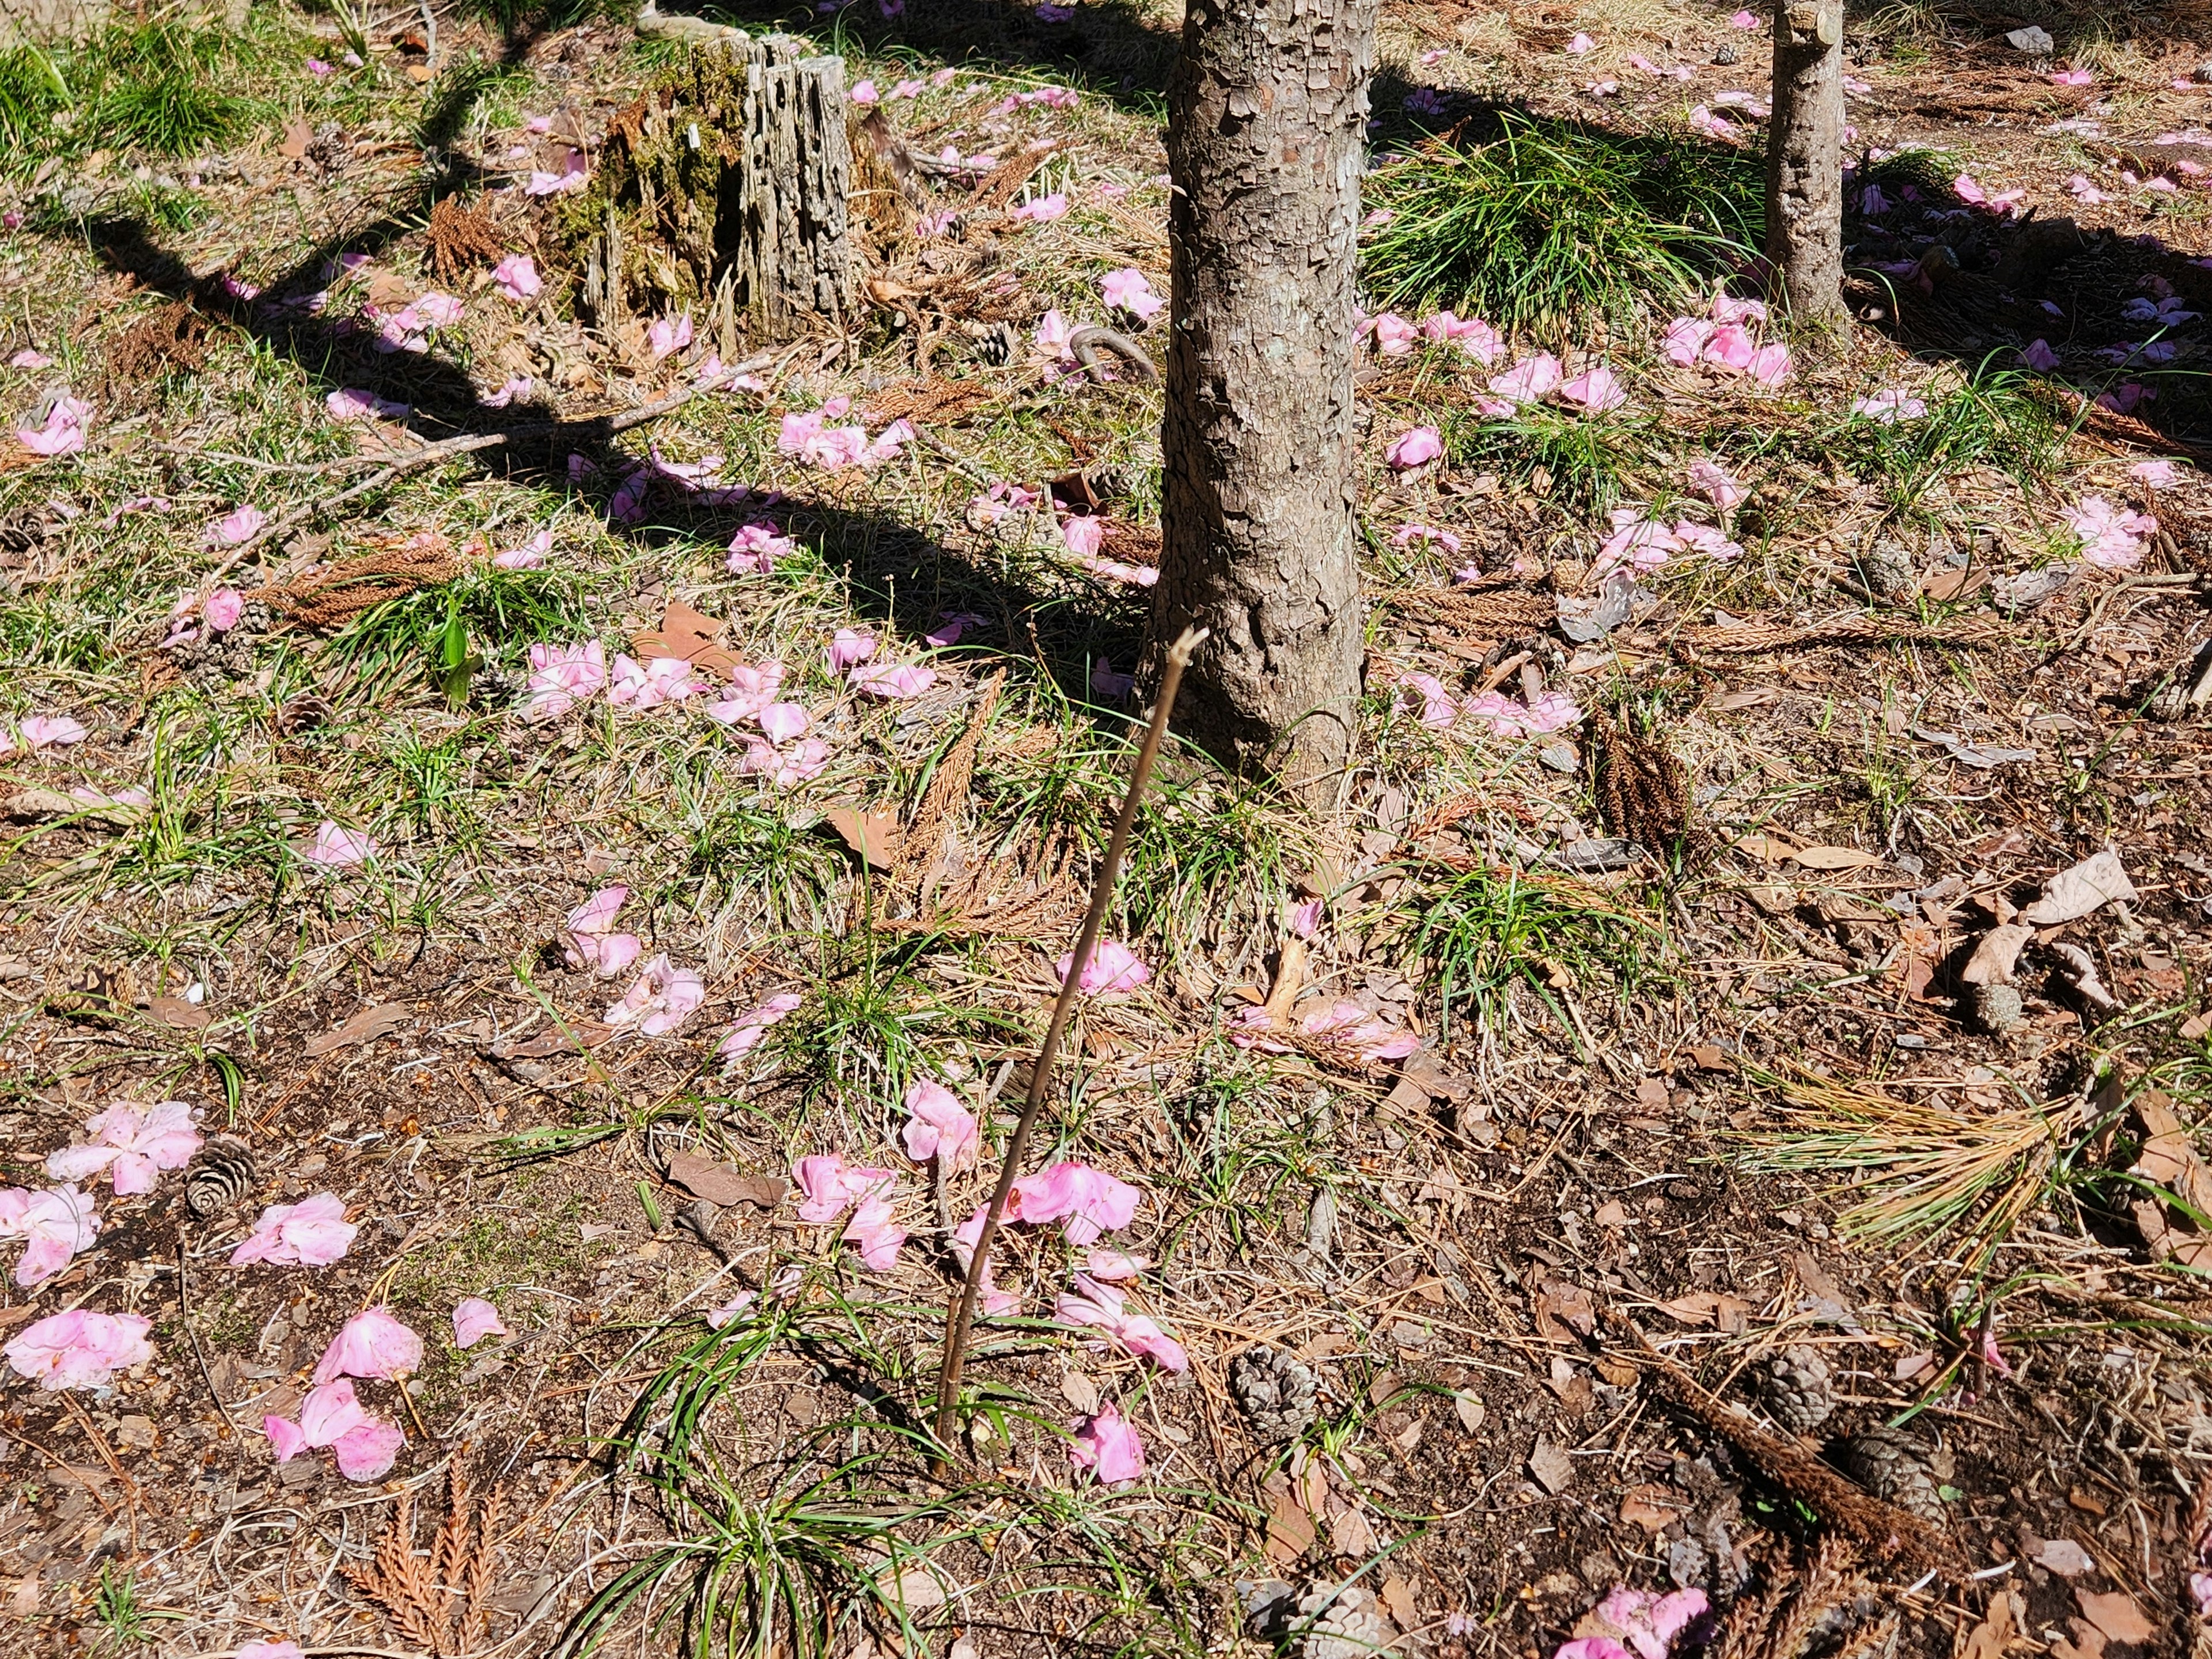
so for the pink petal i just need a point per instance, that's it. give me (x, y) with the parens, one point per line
(328, 1411)
(1106, 1445)
(371, 1343)
(285, 1435)
(475, 1319)
(368, 1452)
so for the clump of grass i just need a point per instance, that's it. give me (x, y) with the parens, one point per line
(1206, 856)
(161, 87)
(1486, 930)
(2000, 418)
(502, 612)
(1550, 221)
(32, 92)
(1575, 460)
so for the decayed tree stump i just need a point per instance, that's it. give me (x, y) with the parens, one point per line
(724, 188)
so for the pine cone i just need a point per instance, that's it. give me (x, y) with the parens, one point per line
(997, 345)
(1352, 1628)
(1797, 1389)
(1276, 1392)
(253, 617)
(1893, 1466)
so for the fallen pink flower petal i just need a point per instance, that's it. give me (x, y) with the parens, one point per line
(751, 689)
(337, 847)
(223, 609)
(1127, 290)
(1101, 1307)
(1967, 190)
(1427, 534)
(80, 1348)
(1417, 446)
(1473, 336)
(667, 336)
(2083, 191)
(730, 1311)
(330, 1413)
(894, 681)
(49, 731)
(2112, 537)
(368, 1452)
(990, 1300)
(862, 93)
(663, 997)
(353, 403)
(312, 1233)
(371, 1343)
(951, 626)
(1686, 340)
(756, 549)
(562, 675)
(1086, 1201)
(1082, 535)
(1598, 390)
(2079, 77)
(1703, 538)
(1580, 46)
(1529, 379)
(1112, 1267)
(1043, 209)
(64, 432)
(1709, 480)
(592, 940)
(1437, 708)
(1393, 335)
(1769, 366)
(1729, 346)
(849, 646)
(1592, 1647)
(831, 1186)
(475, 1319)
(785, 768)
(1106, 1445)
(874, 1235)
(653, 683)
(516, 277)
(2158, 475)
(1889, 407)
(529, 556)
(285, 1435)
(1113, 969)
(134, 1144)
(938, 1127)
(30, 357)
(574, 174)
(1650, 1623)
(747, 1029)
(1364, 1033)
(783, 722)
(1744, 20)
(2038, 355)
(236, 526)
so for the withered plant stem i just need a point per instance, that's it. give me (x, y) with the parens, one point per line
(1101, 893)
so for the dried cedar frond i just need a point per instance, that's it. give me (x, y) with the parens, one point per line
(459, 239)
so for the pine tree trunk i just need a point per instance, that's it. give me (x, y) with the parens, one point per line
(1268, 108)
(1805, 159)
(50, 23)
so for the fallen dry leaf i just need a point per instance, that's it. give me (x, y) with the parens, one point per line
(2063, 1556)
(1349, 1534)
(1987, 1639)
(2115, 1614)
(1468, 1408)
(873, 836)
(1289, 1528)
(724, 1184)
(1834, 858)
(2097, 881)
(2196, 1026)
(179, 1014)
(363, 1025)
(1397, 1598)
(1996, 955)
(1080, 1391)
(1551, 1466)
(1652, 1508)
(297, 138)
(915, 1590)
(1725, 1313)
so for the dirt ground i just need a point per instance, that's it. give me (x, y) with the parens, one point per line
(1702, 1089)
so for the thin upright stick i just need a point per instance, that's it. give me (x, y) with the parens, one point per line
(1101, 893)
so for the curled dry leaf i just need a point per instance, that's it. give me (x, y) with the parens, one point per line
(363, 1025)
(1996, 955)
(2072, 894)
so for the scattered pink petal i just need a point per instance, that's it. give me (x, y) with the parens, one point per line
(731, 1310)
(874, 1235)
(592, 940)
(1112, 1267)
(1598, 390)
(1086, 1201)
(1083, 534)
(562, 675)
(1109, 682)
(751, 689)
(30, 357)
(1106, 1445)
(285, 1435)
(863, 92)
(371, 1343)
(1685, 341)
(64, 432)
(1709, 480)
(236, 526)
(2158, 475)
(849, 646)
(1890, 406)
(1415, 447)
(516, 277)
(80, 1348)
(895, 682)
(2078, 77)
(574, 174)
(938, 1127)
(49, 732)
(1744, 20)
(475, 1319)
(1364, 1035)
(1551, 711)
(335, 847)
(1427, 534)
(667, 336)
(1393, 335)
(2083, 191)
(787, 769)
(747, 1029)
(1529, 379)
(951, 626)
(529, 556)
(655, 684)
(1580, 46)
(223, 609)
(1043, 209)
(1769, 366)
(353, 403)
(1113, 968)
(312, 1233)
(133, 1143)
(2037, 355)
(330, 1413)
(1101, 1307)
(368, 1452)
(755, 548)
(1305, 918)
(2112, 537)
(1126, 289)
(659, 1001)
(1473, 336)
(1437, 707)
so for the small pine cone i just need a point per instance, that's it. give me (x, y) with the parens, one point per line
(1276, 1392)
(1349, 1627)
(1893, 1466)
(1798, 1389)
(253, 617)
(997, 345)
(495, 688)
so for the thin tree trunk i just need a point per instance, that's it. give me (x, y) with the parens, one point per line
(1267, 114)
(1805, 159)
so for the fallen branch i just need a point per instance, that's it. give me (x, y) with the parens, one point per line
(1086, 343)
(468, 443)
(1101, 893)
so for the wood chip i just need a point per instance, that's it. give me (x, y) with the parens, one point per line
(1469, 1409)
(365, 1025)
(2114, 1613)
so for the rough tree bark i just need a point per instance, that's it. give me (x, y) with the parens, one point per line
(1805, 159)
(1267, 114)
(50, 23)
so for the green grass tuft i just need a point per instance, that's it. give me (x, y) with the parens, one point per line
(163, 88)
(1551, 221)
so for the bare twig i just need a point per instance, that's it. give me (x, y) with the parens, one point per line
(1085, 344)
(1101, 893)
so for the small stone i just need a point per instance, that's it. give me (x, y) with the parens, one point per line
(2036, 42)
(1997, 1007)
